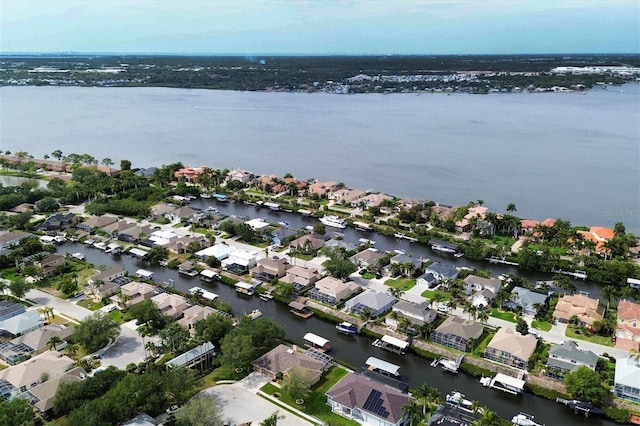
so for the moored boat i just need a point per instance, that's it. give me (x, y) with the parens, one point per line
(346, 328)
(523, 419)
(333, 221)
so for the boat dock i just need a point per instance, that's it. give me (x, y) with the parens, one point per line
(502, 261)
(580, 407)
(405, 237)
(317, 343)
(504, 383)
(449, 365)
(383, 367)
(582, 275)
(391, 344)
(300, 310)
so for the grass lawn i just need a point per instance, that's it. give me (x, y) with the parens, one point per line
(429, 294)
(541, 325)
(368, 276)
(316, 403)
(90, 304)
(593, 338)
(483, 342)
(507, 316)
(403, 284)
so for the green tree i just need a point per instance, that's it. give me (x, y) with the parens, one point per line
(488, 418)
(521, 326)
(585, 384)
(237, 351)
(201, 410)
(19, 287)
(272, 420)
(147, 312)
(413, 412)
(108, 162)
(157, 254)
(125, 165)
(297, 383)
(213, 328)
(173, 337)
(47, 204)
(54, 341)
(17, 412)
(95, 331)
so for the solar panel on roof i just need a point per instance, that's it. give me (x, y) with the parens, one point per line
(374, 404)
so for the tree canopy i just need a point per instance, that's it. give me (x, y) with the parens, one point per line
(585, 384)
(95, 331)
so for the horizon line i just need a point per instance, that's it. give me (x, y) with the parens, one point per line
(333, 54)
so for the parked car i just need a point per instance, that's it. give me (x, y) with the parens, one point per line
(172, 409)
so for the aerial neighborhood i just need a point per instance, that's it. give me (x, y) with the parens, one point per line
(148, 285)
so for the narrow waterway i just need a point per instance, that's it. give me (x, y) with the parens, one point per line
(353, 349)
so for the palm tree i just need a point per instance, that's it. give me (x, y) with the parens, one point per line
(469, 309)
(488, 418)
(608, 292)
(71, 349)
(451, 305)
(511, 208)
(427, 396)
(366, 314)
(396, 292)
(634, 354)
(483, 314)
(53, 342)
(413, 412)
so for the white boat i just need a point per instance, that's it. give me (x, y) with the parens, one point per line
(266, 296)
(459, 399)
(346, 328)
(255, 314)
(485, 381)
(443, 249)
(100, 246)
(333, 221)
(78, 256)
(523, 419)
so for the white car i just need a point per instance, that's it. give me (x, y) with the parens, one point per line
(442, 307)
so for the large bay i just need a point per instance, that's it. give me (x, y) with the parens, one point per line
(565, 155)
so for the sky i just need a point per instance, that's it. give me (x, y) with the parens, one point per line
(320, 26)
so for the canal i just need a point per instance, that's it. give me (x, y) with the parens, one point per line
(356, 349)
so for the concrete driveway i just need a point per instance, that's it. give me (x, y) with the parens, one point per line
(240, 403)
(128, 348)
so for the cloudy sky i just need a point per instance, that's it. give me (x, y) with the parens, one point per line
(321, 26)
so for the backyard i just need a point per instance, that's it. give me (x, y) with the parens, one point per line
(316, 403)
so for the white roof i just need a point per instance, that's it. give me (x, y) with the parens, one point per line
(208, 273)
(204, 293)
(315, 339)
(138, 252)
(163, 234)
(383, 365)
(395, 342)
(191, 355)
(257, 223)
(242, 284)
(509, 381)
(219, 251)
(144, 273)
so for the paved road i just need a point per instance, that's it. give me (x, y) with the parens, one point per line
(241, 404)
(60, 306)
(128, 348)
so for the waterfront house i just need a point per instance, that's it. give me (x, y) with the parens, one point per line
(282, 359)
(456, 333)
(567, 358)
(367, 401)
(241, 261)
(8, 239)
(21, 324)
(367, 257)
(50, 263)
(219, 251)
(268, 269)
(464, 224)
(259, 225)
(527, 300)
(162, 210)
(403, 260)
(599, 235)
(96, 222)
(189, 174)
(627, 379)
(240, 176)
(279, 235)
(192, 315)
(332, 291)
(427, 280)
(321, 189)
(511, 348)
(474, 283)
(301, 278)
(198, 356)
(57, 222)
(376, 302)
(628, 325)
(134, 292)
(370, 200)
(107, 275)
(135, 233)
(418, 313)
(586, 309)
(113, 229)
(171, 305)
(345, 195)
(442, 272)
(307, 244)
